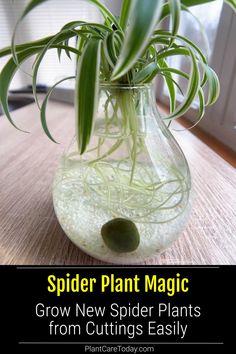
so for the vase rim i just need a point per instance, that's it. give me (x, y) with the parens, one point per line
(105, 84)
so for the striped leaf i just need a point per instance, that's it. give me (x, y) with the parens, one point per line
(44, 106)
(34, 3)
(124, 13)
(86, 92)
(109, 49)
(231, 3)
(213, 87)
(41, 55)
(170, 85)
(104, 10)
(6, 77)
(146, 73)
(200, 92)
(106, 13)
(192, 90)
(34, 44)
(175, 10)
(132, 51)
(142, 21)
(195, 2)
(30, 6)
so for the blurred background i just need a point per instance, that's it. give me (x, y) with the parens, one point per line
(47, 19)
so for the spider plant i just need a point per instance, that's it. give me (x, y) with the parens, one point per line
(131, 49)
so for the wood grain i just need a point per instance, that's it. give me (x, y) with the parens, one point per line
(30, 233)
(221, 149)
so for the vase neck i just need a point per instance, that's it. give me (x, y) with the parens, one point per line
(126, 108)
(143, 96)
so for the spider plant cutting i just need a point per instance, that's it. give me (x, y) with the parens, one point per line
(124, 177)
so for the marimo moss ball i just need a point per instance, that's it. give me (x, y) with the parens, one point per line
(120, 235)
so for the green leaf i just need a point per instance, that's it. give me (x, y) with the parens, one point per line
(109, 49)
(6, 77)
(145, 73)
(201, 106)
(174, 71)
(174, 82)
(192, 90)
(31, 5)
(20, 47)
(34, 3)
(175, 10)
(213, 86)
(39, 43)
(166, 34)
(201, 110)
(41, 55)
(170, 85)
(44, 106)
(124, 13)
(195, 2)
(105, 68)
(167, 71)
(200, 92)
(74, 24)
(59, 54)
(165, 11)
(142, 21)
(106, 13)
(231, 3)
(158, 35)
(173, 52)
(189, 3)
(191, 44)
(86, 92)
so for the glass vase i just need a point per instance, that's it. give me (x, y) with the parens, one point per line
(127, 198)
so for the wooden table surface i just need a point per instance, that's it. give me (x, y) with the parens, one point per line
(30, 233)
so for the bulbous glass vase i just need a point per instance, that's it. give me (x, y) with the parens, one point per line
(133, 170)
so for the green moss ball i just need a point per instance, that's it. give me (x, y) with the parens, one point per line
(120, 235)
